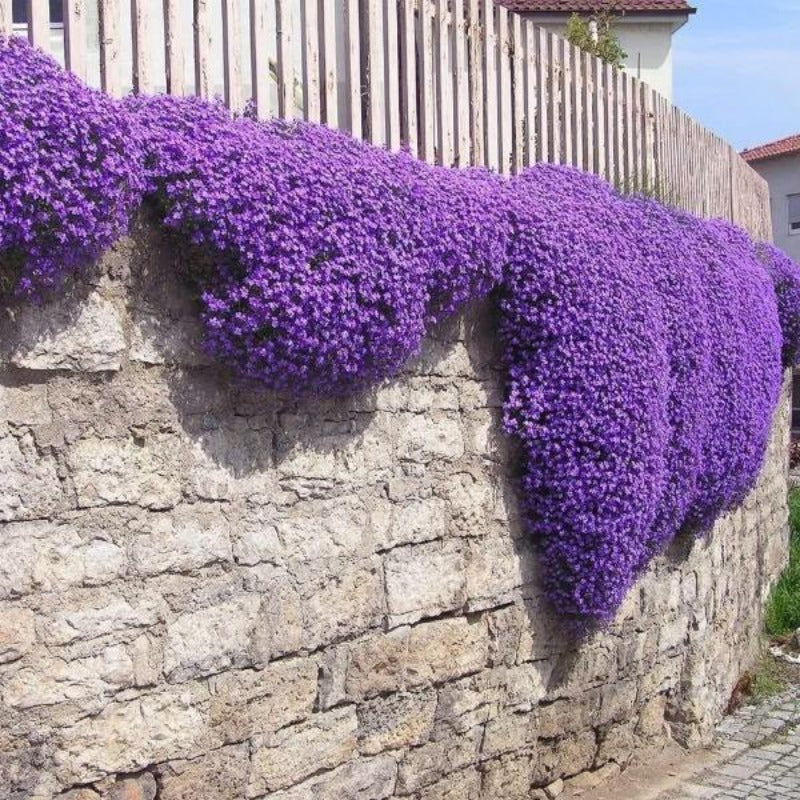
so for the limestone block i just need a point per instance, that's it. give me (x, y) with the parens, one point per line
(399, 720)
(140, 788)
(424, 580)
(507, 733)
(411, 522)
(212, 639)
(325, 529)
(428, 437)
(121, 471)
(186, 539)
(29, 484)
(364, 779)
(462, 785)
(156, 339)
(218, 775)
(17, 633)
(494, 571)
(343, 599)
(377, 664)
(25, 404)
(445, 649)
(248, 702)
(508, 777)
(84, 681)
(129, 736)
(94, 614)
(69, 334)
(424, 765)
(296, 752)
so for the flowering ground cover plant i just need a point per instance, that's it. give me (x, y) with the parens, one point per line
(643, 346)
(68, 177)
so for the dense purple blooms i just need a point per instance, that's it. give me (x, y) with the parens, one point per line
(643, 345)
(785, 275)
(69, 175)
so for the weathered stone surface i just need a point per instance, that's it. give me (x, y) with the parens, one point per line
(399, 720)
(424, 580)
(246, 596)
(365, 779)
(218, 775)
(179, 542)
(247, 702)
(292, 754)
(212, 639)
(17, 633)
(141, 788)
(70, 334)
(131, 735)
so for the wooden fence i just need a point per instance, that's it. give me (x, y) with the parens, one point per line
(457, 82)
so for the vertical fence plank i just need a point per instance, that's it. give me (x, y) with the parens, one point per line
(619, 130)
(638, 134)
(445, 114)
(376, 109)
(140, 47)
(262, 33)
(39, 24)
(312, 97)
(648, 104)
(110, 67)
(543, 96)
(567, 106)
(518, 90)
(462, 83)
(426, 67)
(353, 52)
(476, 64)
(490, 78)
(530, 92)
(75, 37)
(6, 20)
(504, 68)
(232, 54)
(556, 105)
(286, 60)
(578, 108)
(393, 138)
(408, 66)
(589, 113)
(202, 49)
(330, 69)
(174, 58)
(599, 96)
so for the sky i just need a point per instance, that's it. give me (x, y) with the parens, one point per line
(737, 68)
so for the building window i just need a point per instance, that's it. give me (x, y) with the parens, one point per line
(794, 214)
(19, 12)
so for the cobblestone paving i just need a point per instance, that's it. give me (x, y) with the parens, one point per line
(760, 750)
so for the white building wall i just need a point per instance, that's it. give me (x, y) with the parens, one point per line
(648, 45)
(783, 176)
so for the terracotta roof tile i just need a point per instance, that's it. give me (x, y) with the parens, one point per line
(592, 6)
(783, 147)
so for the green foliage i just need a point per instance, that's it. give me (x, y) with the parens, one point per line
(644, 187)
(606, 46)
(783, 609)
(768, 680)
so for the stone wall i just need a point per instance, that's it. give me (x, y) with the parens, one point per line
(210, 593)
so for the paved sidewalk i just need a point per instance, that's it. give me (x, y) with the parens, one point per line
(759, 748)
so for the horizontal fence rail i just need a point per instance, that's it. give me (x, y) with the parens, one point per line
(457, 82)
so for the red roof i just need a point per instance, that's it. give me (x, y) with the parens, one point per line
(594, 6)
(783, 147)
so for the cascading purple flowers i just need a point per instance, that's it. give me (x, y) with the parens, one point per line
(69, 175)
(643, 346)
